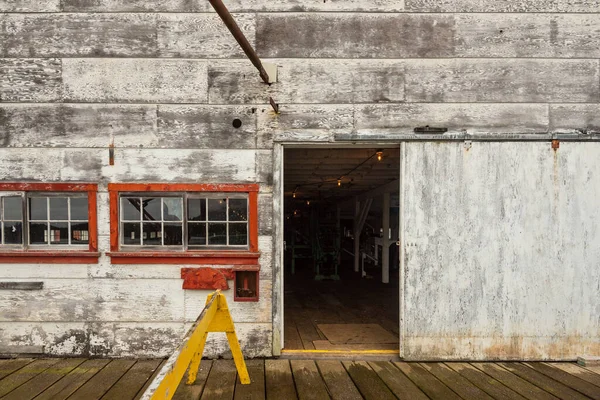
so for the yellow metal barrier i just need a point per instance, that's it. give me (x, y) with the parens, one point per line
(215, 317)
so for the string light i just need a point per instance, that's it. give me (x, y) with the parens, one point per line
(308, 202)
(340, 182)
(379, 154)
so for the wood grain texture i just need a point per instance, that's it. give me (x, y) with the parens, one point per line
(220, 384)
(485, 382)
(234, 5)
(133, 380)
(339, 384)
(206, 127)
(354, 35)
(307, 378)
(100, 383)
(64, 35)
(491, 6)
(30, 79)
(72, 381)
(24, 374)
(456, 382)
(584, 117)
(472, 117)
(30, 6)
(528, 35)
(78, 125)
(256, 389)
(201, 35)
(308, 81)
(134, 80)
(502, 80)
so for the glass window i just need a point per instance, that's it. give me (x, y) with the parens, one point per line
(11, 220)
(58, 220)
(184, 221)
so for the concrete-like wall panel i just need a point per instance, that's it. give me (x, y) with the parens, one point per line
(584, 117)
(497, 6)
(30, 6)
(134, 80)
(500, 248)
(528, 35)
(364, 35)
(503, 80)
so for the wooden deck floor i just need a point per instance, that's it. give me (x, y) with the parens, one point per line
(282, 379)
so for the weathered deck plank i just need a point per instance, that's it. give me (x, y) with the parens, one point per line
(514, 382)
(279, 381)
(29, 371)
(133, 380)
(256, 389)
(485, 382)
(36, 386)
(367, 381)
(338, 382)
(456, 382)
(578, 384)
(185, 392)
(96, 387)
(428, 383)
(397, 382)
(73, 381)
(309, 383)
(7, 367)
(578, 371)
(221, 381)
(542, 381)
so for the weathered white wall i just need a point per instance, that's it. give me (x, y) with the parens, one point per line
(502, 250)
(165, 79)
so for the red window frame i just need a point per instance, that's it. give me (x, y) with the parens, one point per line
(209, 256)
(89, 256)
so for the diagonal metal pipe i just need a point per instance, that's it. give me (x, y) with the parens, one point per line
(239, 37)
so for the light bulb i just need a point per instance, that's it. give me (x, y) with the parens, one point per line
(379, 155)
(308, 202)
(294, 195)
(339, 182)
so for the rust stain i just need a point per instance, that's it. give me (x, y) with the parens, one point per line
(555, 144)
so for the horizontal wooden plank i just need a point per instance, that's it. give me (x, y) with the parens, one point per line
(584, 117)
(309, 384)
(99, 300)
(201, 35)
(100, 383)
(308, 81)
(131, 165)
(19, 349)
(472, 117)
(24, 374)
(583, 6)
(30, 6)
(75, 379)
(528, 35)
(30, 80)
(233, 5)
(355, 35)
(138, 80)
(78, 125)
(502, 80)
(21, 285)
(265, 214)
(64, 35)
(206, 127)
(133, 380)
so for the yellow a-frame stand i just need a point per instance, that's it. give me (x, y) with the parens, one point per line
(215, 317)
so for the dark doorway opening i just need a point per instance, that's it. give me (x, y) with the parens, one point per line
(341, 294)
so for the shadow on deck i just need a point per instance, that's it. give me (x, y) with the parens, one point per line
(282, 379)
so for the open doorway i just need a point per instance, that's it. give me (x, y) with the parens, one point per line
(341, 285)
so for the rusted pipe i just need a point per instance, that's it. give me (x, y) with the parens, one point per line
(239, 37)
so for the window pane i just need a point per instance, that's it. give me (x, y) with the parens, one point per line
(131, 233)
(217, 209)
(59, 208)
(238, 210)
(38, 233)
(196, 234)
(80, 233)
(13, 208)
(217, 233)
(172, 209)
(238, 234)
(38, 208)
(173, 234)
(79, 208)
(197, 210)
(59, 233)
(152, 234)
(151, 209)
(130, 209)
(13, 233)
